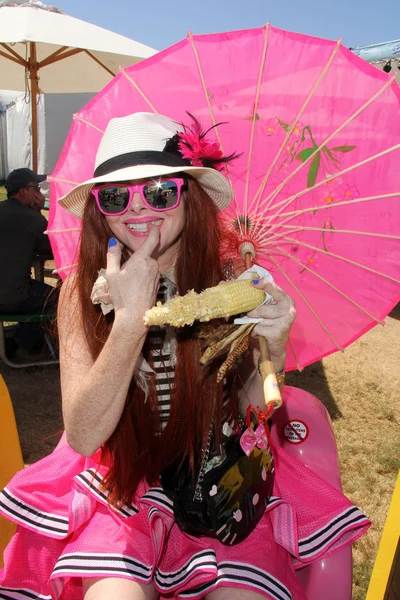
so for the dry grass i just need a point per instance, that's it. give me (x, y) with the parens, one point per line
(360, 388)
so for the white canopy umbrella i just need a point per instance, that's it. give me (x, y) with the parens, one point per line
(45, 50)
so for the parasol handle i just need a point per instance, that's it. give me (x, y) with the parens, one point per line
(270, 384)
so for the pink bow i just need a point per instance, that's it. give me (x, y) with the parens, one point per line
(251, 438)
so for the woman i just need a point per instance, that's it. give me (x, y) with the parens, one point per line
(135, 401)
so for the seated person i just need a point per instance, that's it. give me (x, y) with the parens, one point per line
(22, 235)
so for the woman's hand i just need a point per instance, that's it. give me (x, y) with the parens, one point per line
(133, 287)
(277, 320)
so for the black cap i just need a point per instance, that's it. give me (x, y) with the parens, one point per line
(20, 177)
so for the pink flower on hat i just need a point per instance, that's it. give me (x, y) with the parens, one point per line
(196, 148)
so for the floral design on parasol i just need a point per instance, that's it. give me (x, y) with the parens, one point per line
(316, 187)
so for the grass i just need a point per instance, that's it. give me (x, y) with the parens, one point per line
(3, 193)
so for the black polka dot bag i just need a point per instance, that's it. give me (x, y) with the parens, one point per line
(229, 495)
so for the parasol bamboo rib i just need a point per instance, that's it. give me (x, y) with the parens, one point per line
(295, 213)
(69, 267)
(139, 90)
(328, 283)
(58, 180)
(267, 237)
(331, 178)
(338, 257)
(253, 121)
(264, 182)
(299, 367)
(235, 214)
(203, 83)
(328, 230)
(284, 203)
(77, 117)
(267, 201)
(62, 230)
(212, 117)
(314, 312)
(264, 233)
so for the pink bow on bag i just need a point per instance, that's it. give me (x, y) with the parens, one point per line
(251, 438)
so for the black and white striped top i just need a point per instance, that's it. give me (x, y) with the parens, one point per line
(163, 363)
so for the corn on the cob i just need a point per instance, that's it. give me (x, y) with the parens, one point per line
(224, 300)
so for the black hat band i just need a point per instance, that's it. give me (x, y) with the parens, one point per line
(143, 157)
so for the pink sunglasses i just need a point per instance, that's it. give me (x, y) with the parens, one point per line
(159, 195)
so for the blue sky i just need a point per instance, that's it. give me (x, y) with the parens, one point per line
(160, 23)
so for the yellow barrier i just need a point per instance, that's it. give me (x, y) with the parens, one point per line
(385, 579)
(10, 457)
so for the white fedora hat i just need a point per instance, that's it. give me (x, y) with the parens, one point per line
(133, 147)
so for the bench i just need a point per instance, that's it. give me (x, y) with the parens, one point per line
(26, 318)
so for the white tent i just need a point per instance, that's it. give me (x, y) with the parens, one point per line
(54, 115)
(385, 56)
(6, 98)
(51, 52)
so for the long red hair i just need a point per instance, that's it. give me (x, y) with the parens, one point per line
(138, 449)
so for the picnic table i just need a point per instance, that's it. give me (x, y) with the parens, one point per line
(39, 265)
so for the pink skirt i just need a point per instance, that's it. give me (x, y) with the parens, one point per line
(68, 532)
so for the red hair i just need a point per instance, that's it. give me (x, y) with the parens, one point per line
(138, 449)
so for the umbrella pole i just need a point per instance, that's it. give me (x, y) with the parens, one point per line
(270, 384)
(33, 76)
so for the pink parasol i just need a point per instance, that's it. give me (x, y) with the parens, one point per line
(316, 188)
